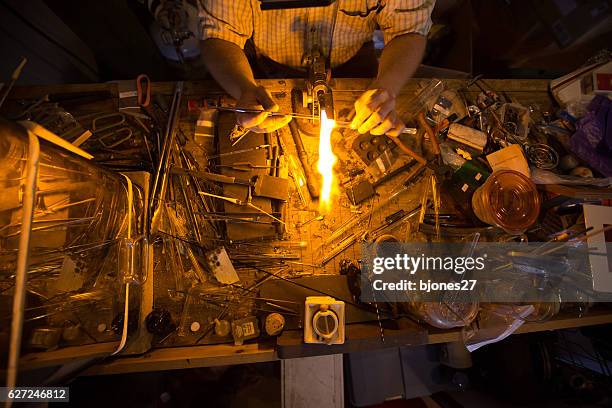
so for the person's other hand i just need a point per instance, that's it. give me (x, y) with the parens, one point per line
(257, 97)
(375, 113)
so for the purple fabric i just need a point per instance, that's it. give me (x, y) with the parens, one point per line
(592, 141)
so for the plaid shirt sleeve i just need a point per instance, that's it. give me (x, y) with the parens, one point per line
(404, 17)
(229, 20)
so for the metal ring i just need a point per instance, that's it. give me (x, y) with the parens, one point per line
(542, 156)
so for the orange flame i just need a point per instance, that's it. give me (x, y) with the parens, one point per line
(327, 160)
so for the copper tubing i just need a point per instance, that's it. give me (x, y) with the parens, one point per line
(409, 151)
(430, 133)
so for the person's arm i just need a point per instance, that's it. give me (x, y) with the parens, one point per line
(375, 109)
(405, 24)
(399, 61)
(226, 26)
(228, 64)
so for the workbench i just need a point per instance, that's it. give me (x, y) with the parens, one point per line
(360, 336)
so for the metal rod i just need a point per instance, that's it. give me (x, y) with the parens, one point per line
(312, 181)
(74, 222)
(190, 211)
(242, 203)
(161, 175)
(238, 109)
(215, 156)
(406, 131)
(6, 89)
(22, 262)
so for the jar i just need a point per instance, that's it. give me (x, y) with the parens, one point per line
(509, 200)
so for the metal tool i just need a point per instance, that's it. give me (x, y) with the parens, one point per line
(215, 177)
(299, 179)
(311, 180)
(178, 229)
(110, 131)
(185, 186)
(251, 149)
(189, 162)
(19, 296)
(317, 93)
(242, 219)
(371, 233)
(406, 131)
(238, 109)
(245, 166)
(317, 218)
(237, 134)
(247, 203)
(158, 191)
(555, 244)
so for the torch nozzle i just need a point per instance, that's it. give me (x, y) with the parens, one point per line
(326, 103)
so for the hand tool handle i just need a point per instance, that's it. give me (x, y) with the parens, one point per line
(432, 136)
(143, 90)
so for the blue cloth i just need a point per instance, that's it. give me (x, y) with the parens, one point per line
(592, 141)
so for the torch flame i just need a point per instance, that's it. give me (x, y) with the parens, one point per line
(327, 160)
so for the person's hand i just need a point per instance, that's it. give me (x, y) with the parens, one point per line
(375, 113)
(257, 97)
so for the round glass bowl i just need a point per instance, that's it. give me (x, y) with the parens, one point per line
(509, 200)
